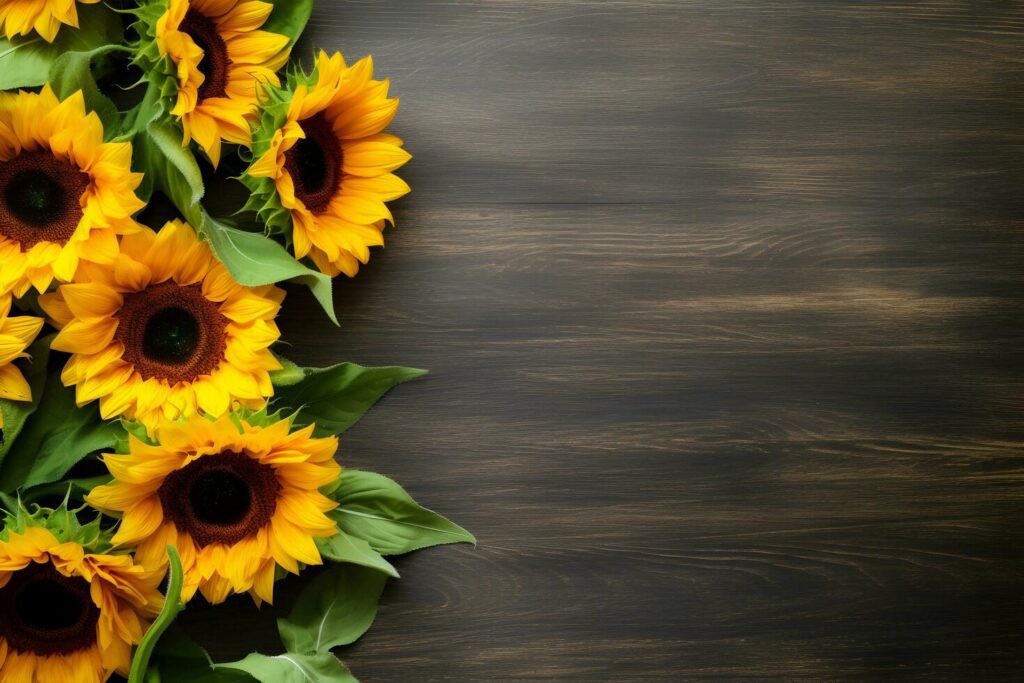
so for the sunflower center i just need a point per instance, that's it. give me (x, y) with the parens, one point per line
(47, 605)
(46, 613)
(35, 198)
(215, 64)
(172, 332)
(315, 163)
(220, 498)
(171, 336)
(40, 198)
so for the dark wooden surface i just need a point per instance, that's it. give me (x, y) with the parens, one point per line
(723, 303)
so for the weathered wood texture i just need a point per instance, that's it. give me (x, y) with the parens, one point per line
(723, 303)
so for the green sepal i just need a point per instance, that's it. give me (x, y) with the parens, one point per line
(25, 62)
(263, 198)
(258, 418)
(161, 75)
(147, 13)
(61, 521)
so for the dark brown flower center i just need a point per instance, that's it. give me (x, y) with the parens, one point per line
(315, 164)
(171, 332)
(46, 613)
(221, 498)
(215, 64)
(40, 198)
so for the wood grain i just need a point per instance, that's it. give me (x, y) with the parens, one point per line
(723, 305)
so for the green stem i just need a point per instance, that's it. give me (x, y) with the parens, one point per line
(140, 116)
(172, 605)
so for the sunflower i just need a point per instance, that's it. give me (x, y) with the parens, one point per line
(15, 336)
(329, 163)
(67, 614)
(65, 194)
(221, 62)
(165, 331)
(20, 17)
(237, 497)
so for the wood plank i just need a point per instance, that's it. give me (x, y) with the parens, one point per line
(722, 303)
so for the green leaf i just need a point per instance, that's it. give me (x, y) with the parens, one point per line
(172, 169)
(344, 548)
(289, 17)
(173, 604)
(290, 373)
(55, 438)
(178, 659)
(16, 413)
(337, 608)
(74, 489)
(293, 668)
(336, 397)
(72, 72)
(144, 113)
(25, 62)
(254, 259)
(379, 511)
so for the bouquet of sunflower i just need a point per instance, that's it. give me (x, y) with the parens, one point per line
(156, 449)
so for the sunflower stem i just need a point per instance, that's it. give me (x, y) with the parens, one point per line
(172, 606)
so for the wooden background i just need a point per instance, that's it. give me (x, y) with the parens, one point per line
(723, 303)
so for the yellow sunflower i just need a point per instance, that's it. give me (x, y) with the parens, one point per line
(223, 60)
(20, 17)
(165, 331)
(236, 499)
(15, 336)
(65, 194)
(68, 615)
(332, 164)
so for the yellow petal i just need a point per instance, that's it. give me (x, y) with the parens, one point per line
(23, 328)
(85, 337)
(13, 385)
(89, 300)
